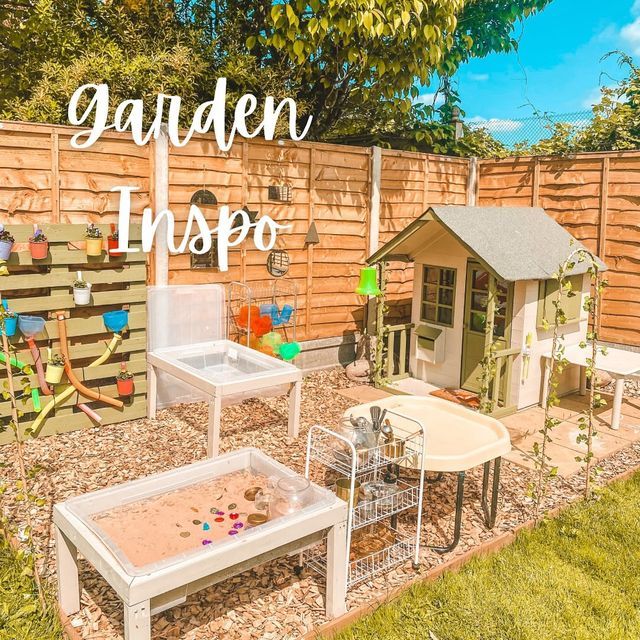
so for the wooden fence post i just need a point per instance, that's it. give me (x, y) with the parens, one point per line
(374, 205)
(161, 196)
(310, 220)
(604, 197)
(472, 182)
(55, 177)
(535, 185)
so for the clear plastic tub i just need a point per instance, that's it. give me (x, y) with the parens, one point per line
(166, 524)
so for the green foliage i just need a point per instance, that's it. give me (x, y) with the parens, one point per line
(573, 577)
(20, 613)
(354, 66)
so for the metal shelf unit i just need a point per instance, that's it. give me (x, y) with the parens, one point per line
(335, 451)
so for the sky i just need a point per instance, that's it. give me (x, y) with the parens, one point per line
(558, 67)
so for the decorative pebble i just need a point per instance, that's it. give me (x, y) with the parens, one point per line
(250, 494)
(238, 525)
(206, 526)
(197, 522)
(219, 520)
(232, 506)
(234, 516)
(233, 532)
(206, 542)
(184, 534)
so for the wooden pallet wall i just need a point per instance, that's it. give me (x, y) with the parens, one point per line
(42, 287)
(596, 197)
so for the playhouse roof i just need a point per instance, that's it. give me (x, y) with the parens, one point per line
(516, 243)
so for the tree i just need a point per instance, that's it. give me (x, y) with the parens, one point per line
(354, 66)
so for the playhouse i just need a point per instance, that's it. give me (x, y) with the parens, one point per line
(460, 253)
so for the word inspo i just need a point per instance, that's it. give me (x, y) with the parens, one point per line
(129, 115)
(201, 243)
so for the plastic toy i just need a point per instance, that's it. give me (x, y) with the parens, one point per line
(261, 325)
(116, 321)
(368, 285)
(245, 313)
(289, 350)
(271, 341)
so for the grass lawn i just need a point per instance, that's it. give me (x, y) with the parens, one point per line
(20, 614)
(573, 578)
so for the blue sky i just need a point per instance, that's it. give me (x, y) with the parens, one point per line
(558, 67)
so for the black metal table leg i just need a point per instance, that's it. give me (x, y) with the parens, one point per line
(436, 479)
(458, 521)
(490, 512)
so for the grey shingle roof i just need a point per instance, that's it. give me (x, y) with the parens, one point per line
(517, 243)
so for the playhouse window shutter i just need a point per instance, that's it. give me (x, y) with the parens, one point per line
(547, 294)
(438, 294)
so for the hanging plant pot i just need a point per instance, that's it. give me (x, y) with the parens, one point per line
(10, 325)
(39, 250)
(125, 386)
(82, 295)
(54, 372)
(112, 247)
(5, 249)
(94, 246)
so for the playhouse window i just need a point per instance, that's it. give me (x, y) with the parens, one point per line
(547, 295)
(438, 293)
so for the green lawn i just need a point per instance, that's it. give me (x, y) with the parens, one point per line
(20, 614)
(573, 578)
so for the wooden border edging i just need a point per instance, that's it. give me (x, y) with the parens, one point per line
(331, 628)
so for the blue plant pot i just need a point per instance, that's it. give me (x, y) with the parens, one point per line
(115, 321)
(10, 326)
(5, 249)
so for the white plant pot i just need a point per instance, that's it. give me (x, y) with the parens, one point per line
(82, 296)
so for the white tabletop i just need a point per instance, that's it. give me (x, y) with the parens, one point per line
(618, 362)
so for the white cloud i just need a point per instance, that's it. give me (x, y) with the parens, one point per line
(631, 33)
(428, 98)
(482, 77)
(635, 9)
(593, 97)
(495, 125)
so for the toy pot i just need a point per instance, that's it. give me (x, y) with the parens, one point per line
(39, 250)
(125, 387)
(82, 296)
(54, 372)
(112, 247)
(5, 249)
(10, 326)
(94, 246)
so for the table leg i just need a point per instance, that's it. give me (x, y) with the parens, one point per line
(458, 521)
(617, 403)
(295, 396)
(213, 433)
(137, 621)
(583, 381)
(68, 577)
(491, 512)
(152, 391)
(336, 594)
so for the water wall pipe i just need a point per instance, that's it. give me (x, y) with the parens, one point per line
(14, 362)
(90, 412)
(85, 391)
(37, 359)
(70, 390)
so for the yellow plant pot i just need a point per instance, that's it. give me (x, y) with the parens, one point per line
(94, 246)
(54, 373)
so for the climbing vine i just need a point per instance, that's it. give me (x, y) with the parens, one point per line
(382, 330)
(488, 362)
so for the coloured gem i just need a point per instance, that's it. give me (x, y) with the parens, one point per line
(206, 526)
(219, 520)
(232, 532)
(232, 506)
(213, 510)
(234, 516)
(206, 542)
(219, 513)
(238, 525)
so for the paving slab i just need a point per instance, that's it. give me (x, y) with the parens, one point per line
(363, 393)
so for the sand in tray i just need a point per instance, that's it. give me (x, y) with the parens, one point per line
(180, 521)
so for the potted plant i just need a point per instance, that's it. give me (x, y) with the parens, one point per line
(38, 245)
(81, 292)
(112, 244)
(93, 236)
(8, 322)
(55, 369)
(6, 243)
(124, 382)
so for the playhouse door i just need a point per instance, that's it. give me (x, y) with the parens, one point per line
(475, 313)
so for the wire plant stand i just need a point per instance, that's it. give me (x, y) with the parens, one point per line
(278, 292)
(335, 451)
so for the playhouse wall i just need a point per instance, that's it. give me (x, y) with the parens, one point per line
(527, 392)
(443, 250)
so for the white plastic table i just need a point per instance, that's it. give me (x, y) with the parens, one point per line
(157, 587)
(457, 439)
(221, 369)
(619, 363)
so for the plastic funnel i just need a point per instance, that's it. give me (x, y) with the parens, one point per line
(31, 325)
(115, 321)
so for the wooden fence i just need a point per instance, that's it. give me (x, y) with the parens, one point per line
(357, 197)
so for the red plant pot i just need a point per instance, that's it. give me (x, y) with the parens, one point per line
(112, 247)
(39, 250)
(125, 387)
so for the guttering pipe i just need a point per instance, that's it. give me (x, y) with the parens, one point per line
(85, 391)
(69, 391)
(37, 359)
